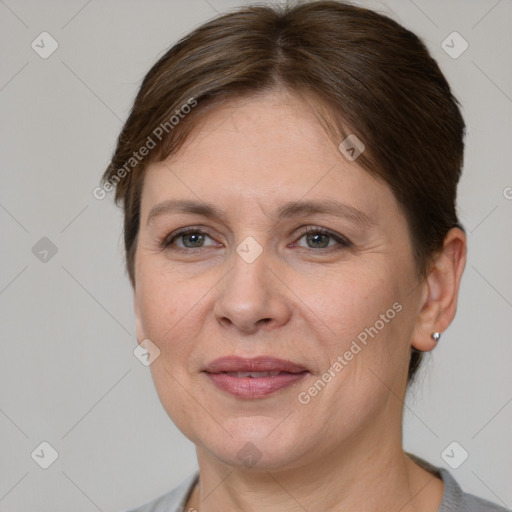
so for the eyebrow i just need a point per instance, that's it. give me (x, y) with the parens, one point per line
(287, 210)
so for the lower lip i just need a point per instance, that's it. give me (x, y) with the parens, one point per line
(249, 387)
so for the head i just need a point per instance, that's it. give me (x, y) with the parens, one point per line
(250, 117)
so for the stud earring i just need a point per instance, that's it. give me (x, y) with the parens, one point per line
(436, 336)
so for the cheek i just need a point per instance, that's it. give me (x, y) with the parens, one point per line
(349, 301)
(366, 358)
(168, 311)
(164, 297)
(367, 336)
(169, 319)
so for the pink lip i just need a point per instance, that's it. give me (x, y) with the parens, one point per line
(253, 387)
(252, 364)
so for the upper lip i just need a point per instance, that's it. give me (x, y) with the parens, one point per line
(254, 364)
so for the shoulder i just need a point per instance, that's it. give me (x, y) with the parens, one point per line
(454, 498)
(173, 501)
(472, 503)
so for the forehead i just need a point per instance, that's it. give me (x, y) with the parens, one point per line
(268, 150)
(274, 126)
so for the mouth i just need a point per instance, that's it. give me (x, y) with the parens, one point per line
(256, 375)
(253, 377)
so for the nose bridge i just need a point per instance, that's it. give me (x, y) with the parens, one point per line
(249, 279)
(250, 292)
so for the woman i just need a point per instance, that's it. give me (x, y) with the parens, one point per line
(288, 178)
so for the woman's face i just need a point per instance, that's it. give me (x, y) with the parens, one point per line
(251, 283)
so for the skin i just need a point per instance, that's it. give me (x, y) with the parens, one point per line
(298, 301)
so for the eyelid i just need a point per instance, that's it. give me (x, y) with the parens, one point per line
(168, 239)
(340, 239)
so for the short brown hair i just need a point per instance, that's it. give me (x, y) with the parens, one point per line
(375, 79)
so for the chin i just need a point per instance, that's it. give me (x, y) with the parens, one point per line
(257, 443)
(254, 456)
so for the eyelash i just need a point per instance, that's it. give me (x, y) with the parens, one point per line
(343, 243)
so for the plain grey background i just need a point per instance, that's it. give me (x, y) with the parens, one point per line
(68, 375)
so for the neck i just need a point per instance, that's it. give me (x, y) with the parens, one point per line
(380, 477)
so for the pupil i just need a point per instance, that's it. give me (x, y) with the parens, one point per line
(196, 243)
(317, 236)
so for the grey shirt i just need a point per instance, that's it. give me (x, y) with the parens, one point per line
(454, 498)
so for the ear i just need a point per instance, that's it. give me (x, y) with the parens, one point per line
(441, 290)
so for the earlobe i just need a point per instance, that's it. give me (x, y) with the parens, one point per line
(439, 302)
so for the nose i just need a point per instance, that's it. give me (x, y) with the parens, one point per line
(252, 296)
